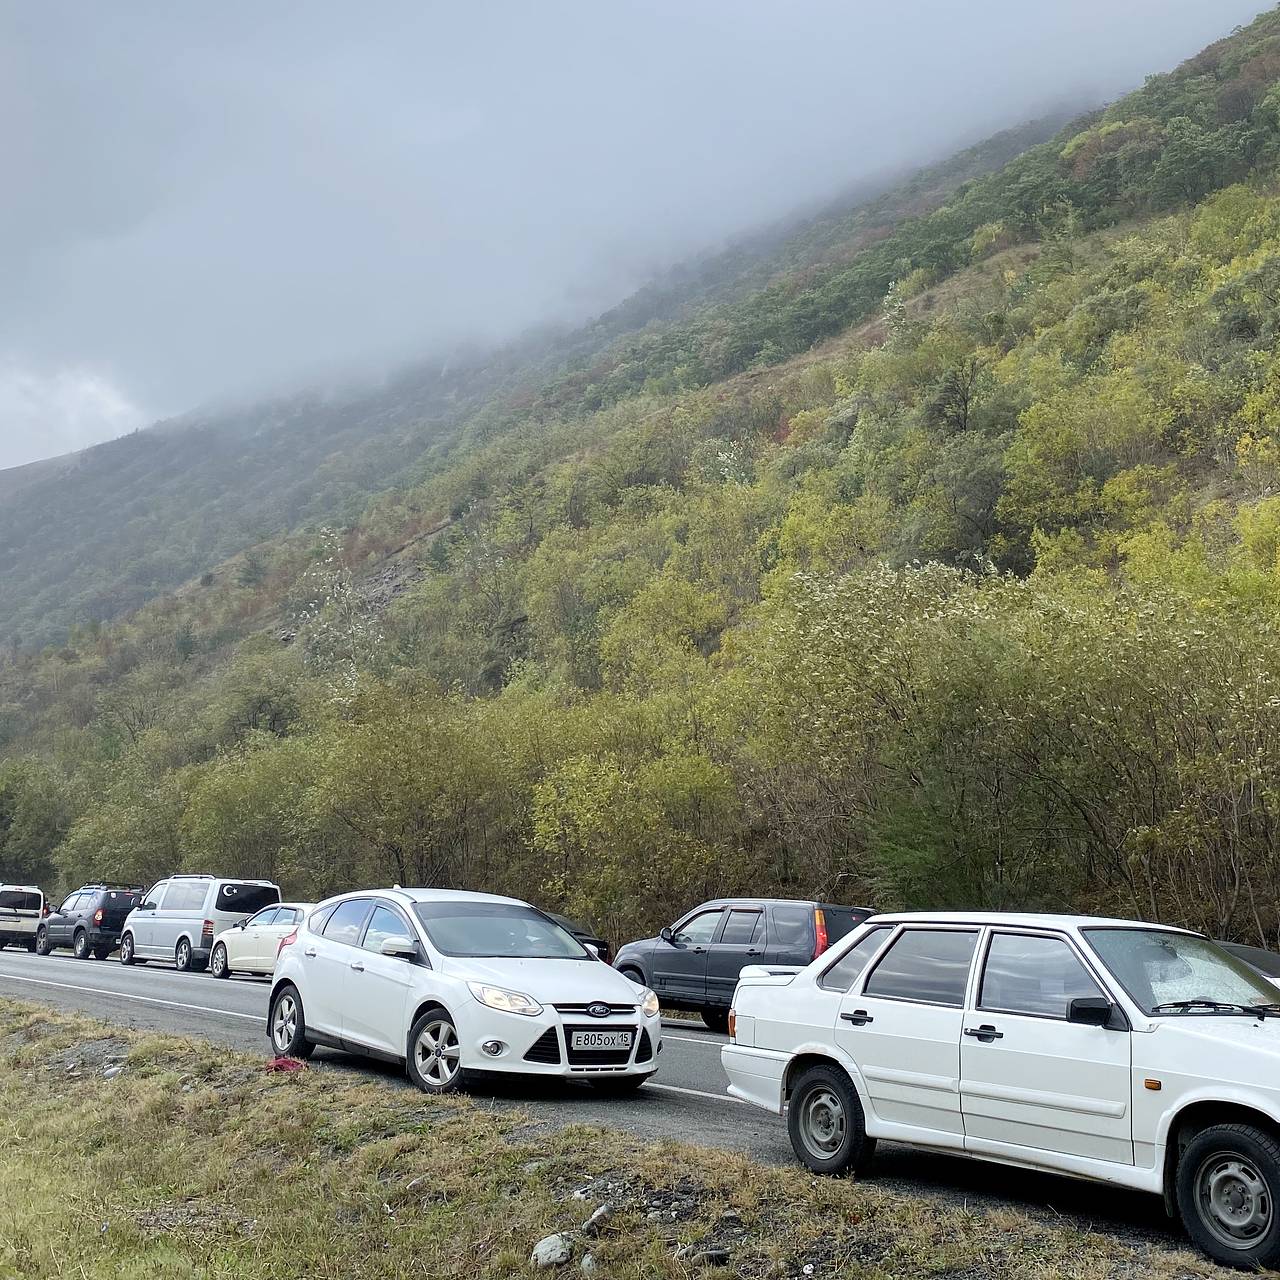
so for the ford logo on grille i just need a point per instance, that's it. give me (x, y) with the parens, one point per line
(598, 1010)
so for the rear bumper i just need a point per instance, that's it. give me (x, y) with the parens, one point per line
(755, 1075)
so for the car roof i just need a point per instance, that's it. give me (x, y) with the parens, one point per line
(747, 901)
(430, 895)
(1027, 919)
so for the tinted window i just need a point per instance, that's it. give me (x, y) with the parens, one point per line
(743, 927)
(792, 927)
(384, 923)
(493, 929)
(185, 895)
(120, 899)
(20, 900)
(1033, 975)
(344, 924)
(244, 899)
(928, 965)
(701, 928)
(841, 921)
(270, 916)
(842, 975)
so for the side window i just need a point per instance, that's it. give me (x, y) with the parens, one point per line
(743, 927)
(319, 919)
(930, 966)
(344, 924)
(288, 915)
(175, 895)
(792, 927)
(701, 928)
(384, 923)
(1039, 976)
(155, 895)
(72, 905)
(270, 916)
(845, 972)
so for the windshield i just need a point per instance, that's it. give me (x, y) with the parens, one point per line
(493, 930)
(1178, 973)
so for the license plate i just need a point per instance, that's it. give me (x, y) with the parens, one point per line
(601, 1040)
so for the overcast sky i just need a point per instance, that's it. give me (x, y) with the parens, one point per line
(203, 200)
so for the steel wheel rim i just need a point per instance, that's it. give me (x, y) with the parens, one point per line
(284, 1026)
(1234, 1200)
(437, 1052)
(823, 1123)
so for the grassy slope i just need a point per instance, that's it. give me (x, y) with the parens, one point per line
(192, 1164)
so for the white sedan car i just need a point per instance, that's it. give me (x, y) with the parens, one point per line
(1111, 1050)
(251, 945)
(450, 982)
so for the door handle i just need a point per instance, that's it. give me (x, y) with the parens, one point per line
(859, 1017)
(697, 951)
(986, 1033)
(752, 951)
(310, 951)
(357, 966)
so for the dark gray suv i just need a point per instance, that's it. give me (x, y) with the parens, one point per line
(695, 963)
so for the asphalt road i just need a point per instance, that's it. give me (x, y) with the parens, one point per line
(685, 1101)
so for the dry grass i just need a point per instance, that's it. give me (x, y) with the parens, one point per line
(195, 1162)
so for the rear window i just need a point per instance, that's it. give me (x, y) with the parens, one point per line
(120, 899)
(20, 900)
(496, 929)
(245, 899)
(793, 927)
(842, 920)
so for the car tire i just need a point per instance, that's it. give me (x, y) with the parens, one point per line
(618, 1085)
(716, 1020)
(42, 947)
(287, 1025)
(126, 949)
(80, 945)
(825, 1122)
(1228, 1184)
(634, 974)
(434, 1053)
(182, 956)
(218, 965)
(102, 953)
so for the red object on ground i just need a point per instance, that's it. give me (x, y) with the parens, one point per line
(285, 1064)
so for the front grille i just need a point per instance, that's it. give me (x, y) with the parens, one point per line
(581, 1009)
(598, 1057)
(546, 1049)
(645, 1051)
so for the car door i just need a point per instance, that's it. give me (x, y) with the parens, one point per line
(252, 943)
(378, 986)
(285, 920)
(680, 964)
(901, 1024)
(143, 925)
(325, 958)
(1029, 1077)
(739, 942)
(61, 924)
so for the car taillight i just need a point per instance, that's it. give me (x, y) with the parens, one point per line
(820, 927)
(97, 916)
(207, 930)
(44, 911)
(287, 941)
(733, 1024)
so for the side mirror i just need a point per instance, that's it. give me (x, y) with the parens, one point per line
(666, 935)
(147, 906)
(242, 924)
(1091, 1011)
(399, 944)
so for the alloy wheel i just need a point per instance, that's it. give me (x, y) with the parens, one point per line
(284, 1023)
(437, 1052)
(1234, 1200)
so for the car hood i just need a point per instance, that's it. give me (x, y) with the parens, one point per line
(548, 981)
(1236, 1046)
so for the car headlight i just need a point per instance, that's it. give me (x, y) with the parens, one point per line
(506, 1001)
(648, 1003)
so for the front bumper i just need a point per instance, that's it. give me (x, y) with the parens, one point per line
(543, 1046)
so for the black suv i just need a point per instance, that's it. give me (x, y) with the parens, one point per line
(695, 963)
(89, 921)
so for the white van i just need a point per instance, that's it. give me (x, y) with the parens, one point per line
(22, 908)
(179, 917)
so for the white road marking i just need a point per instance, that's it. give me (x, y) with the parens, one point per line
(696, 1093)
(711, 1044)
(121, 995)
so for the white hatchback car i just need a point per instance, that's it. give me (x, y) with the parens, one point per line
(1111, 1050)
(251, 945)
(450, 982)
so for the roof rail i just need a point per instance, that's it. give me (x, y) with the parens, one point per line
(109, 884)
(190, 875)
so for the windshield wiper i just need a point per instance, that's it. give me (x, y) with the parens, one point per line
(1218, 1006)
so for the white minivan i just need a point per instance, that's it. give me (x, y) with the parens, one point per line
(178, 918)
(22, 907)
(1112, 1050)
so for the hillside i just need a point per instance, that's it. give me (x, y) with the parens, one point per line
(90, 537)
(939, 570)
